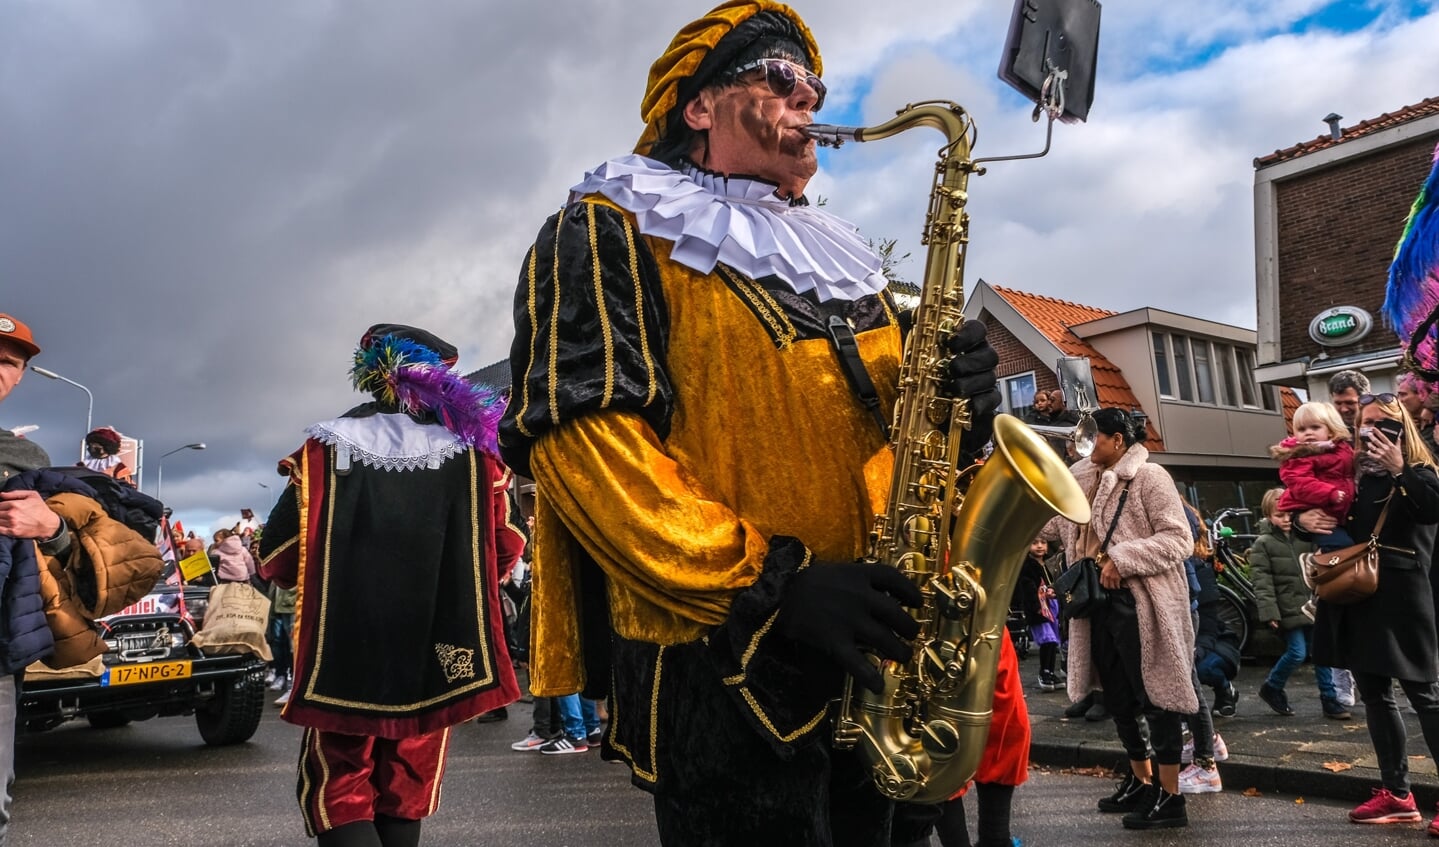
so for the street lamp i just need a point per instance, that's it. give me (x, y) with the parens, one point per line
(269, 494)
(90, 409)
(160, 465)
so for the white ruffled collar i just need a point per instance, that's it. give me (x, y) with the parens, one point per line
(388, 442)
(741, 222)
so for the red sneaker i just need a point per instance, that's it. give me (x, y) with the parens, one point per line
(1384, 807)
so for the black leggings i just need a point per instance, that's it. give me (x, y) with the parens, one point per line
(1115, 650)
(1386, 725)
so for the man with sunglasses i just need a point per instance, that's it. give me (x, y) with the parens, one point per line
(688, 330)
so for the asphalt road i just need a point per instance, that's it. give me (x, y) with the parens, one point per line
(155, 783)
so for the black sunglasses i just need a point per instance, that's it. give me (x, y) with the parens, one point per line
(1385, 398)
(781, 76)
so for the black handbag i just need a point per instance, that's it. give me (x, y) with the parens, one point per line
(1079, 590)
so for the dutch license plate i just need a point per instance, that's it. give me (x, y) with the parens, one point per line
(147, 672)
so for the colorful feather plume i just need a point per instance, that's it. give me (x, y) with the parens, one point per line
(1411, 302)
(411, 377)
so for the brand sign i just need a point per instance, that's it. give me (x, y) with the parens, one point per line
(1340, 326)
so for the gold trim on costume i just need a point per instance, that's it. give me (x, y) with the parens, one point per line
(531, 285)
(640, 309)
(439, 772)
(278, 550)
(738, 679)
(601, 313)
(651, 775)
(554, 327)
(764, 306)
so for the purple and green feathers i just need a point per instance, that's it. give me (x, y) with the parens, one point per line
(1411, 302)
(411, 377)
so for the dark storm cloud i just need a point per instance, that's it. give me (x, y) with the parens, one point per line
(205, 204)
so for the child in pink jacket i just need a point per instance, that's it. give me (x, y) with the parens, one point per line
(1316, 465)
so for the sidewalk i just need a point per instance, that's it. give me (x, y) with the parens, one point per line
(1267, 752)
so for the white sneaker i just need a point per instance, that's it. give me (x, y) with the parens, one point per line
(282, 699)
(1197, 780)
(1344, 687)
(529, 742)
(1186, 755)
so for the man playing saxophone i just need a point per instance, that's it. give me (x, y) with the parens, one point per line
(707, 471)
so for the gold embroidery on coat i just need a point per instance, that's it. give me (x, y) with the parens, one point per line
(457, 662)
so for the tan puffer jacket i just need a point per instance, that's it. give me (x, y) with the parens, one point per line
(108, 567)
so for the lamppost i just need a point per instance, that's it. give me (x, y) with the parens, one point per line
(160, 466)
(89, 410)
(269, 494)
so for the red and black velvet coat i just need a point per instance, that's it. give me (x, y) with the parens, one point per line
(398, 623)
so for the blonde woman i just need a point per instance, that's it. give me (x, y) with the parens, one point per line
(1389, 635)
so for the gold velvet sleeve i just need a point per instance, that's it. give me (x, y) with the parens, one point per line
(675, 556)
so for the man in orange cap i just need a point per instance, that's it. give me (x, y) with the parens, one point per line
(24, 518)
(705, 475)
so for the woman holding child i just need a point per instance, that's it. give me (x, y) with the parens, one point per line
(1389, 635)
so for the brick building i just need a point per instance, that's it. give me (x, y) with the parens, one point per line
(1327, 214)
(1208, 422)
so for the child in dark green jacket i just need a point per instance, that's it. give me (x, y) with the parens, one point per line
(1281, 595)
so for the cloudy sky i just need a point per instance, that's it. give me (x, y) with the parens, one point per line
(203, 205)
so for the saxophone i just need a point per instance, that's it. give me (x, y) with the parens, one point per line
(959, 535)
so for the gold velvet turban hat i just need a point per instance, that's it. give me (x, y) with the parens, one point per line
(704, 48)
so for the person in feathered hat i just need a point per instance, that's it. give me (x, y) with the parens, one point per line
(102, 449)
(705, 476)
(400, 636)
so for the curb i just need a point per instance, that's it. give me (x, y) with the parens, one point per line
(1239, 773)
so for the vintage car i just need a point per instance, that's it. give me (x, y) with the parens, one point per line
(153, 669)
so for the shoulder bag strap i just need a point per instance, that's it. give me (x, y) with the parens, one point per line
(1379, 525)
(1123, 496)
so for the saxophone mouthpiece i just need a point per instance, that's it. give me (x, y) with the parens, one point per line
(832, 135)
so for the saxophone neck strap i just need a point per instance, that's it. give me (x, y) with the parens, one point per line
(847, 346)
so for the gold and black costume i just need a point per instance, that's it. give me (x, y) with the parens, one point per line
(694, 442)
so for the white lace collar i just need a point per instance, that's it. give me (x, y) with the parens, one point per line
(742, 223)
(387, 442)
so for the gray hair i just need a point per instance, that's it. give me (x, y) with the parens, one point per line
(1345, 380)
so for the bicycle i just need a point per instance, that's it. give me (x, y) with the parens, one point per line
(1238, 604)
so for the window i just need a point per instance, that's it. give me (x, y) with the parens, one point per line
(1203, 375)
(1248, 392)
(1181, 367)
(1228, 379)
(1019, 394)
(1161, 366)
(1196, 370)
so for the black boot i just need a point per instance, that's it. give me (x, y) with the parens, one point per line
(1127, 795)
(1276, 698)
(1226, 700)
(1161, 811)
(1080, 706)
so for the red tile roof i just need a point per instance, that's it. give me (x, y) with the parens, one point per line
(1053, 318)
(1289, 404)
(1422, 109)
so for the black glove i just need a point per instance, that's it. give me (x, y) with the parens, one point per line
(971, 376)
(841, 608)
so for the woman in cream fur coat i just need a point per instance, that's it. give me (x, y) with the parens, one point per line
(1139, 651)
